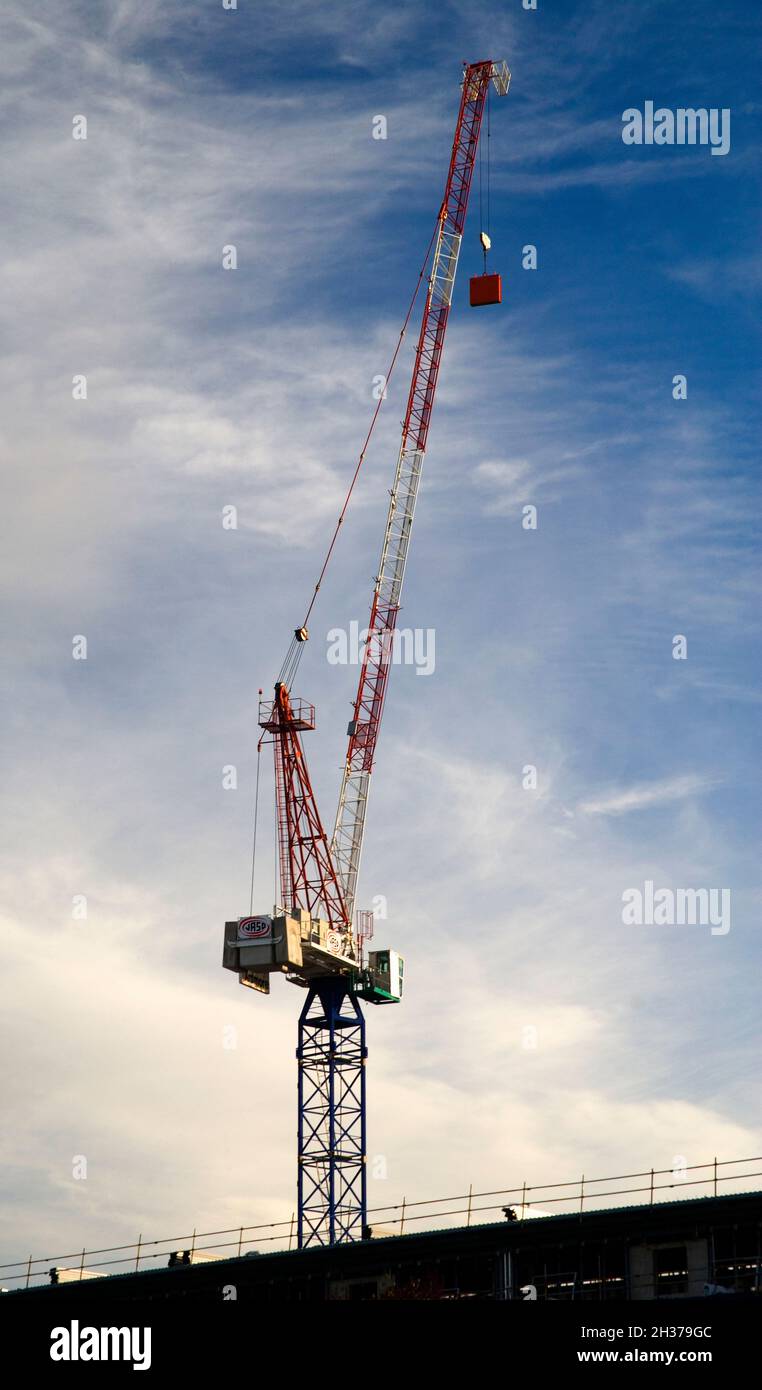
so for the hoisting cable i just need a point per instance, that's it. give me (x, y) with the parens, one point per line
(489, 135)
(293, 655)
(276, 864)
(481, 203)
(485, 229)
(256, 812)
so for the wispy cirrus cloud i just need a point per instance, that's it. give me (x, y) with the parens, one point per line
(646, 795)
(717, 278)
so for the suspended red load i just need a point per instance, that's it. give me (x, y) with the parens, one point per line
(486, 289)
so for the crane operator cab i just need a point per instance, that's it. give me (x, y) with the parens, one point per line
(387, 972)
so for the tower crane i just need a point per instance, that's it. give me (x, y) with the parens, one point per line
(310, 936)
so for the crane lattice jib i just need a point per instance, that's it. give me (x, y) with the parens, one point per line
(308, 878)
(346, 844)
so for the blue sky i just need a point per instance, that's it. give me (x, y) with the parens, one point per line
(253, 388)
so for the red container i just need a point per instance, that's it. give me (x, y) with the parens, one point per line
(486, 289)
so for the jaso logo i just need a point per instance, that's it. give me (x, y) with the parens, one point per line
(254, 928)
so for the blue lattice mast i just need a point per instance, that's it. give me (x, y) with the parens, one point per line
(332, 1141)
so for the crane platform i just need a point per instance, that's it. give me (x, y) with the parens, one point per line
(305, 949)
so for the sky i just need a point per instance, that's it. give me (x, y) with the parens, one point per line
(540, 1036)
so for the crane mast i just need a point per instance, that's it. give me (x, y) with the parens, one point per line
(349, 828)
(309, 935)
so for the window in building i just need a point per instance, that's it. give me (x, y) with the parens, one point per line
(671, 1271)
(362, 1291)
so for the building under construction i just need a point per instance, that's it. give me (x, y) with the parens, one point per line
(701, 1247)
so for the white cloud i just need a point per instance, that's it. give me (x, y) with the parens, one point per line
(646, 795)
